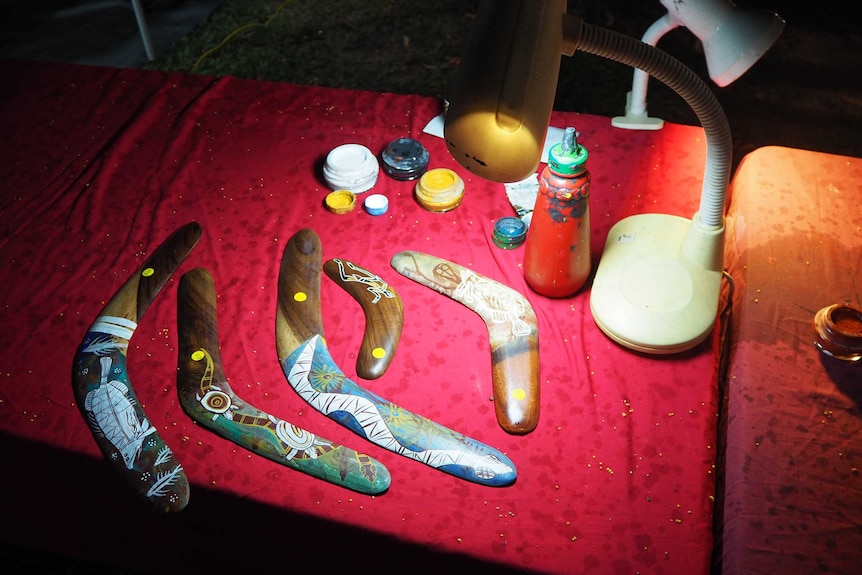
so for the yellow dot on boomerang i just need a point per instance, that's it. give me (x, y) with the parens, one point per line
(519, 393)
(148, 272)
(378, 352)
(300, 296)
(198, 355)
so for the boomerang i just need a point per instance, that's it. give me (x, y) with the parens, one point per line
(512, 332)
(105, 395)
(313, 374)
(208, 399)
(384, 315)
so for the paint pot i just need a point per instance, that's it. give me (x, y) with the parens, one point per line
(838, 331)
(440, 190)
(509, 233)
(340, 201)
(376, 204)
(351, 167)
(404, 159)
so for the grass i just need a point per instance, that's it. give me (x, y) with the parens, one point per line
(379, 46)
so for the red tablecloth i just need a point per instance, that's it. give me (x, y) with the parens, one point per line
(100, 165)
(793, 500)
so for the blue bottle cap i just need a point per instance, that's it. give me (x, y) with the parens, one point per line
(376, 204)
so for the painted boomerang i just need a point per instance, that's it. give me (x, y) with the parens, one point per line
(208, 399)
(512, 331)
(384, 315)
(312, 372)
(104, 393)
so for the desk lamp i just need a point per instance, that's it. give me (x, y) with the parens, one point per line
(733, 40)
(657, 286)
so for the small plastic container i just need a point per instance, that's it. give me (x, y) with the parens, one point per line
(838, 331)
(351, 167)
(376, 204)
(509, 233)
(405, 159)
(440, 190)
(340, 201)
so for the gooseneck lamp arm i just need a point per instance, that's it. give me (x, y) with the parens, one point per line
(682, 80)
(657, 286)
(636, 117)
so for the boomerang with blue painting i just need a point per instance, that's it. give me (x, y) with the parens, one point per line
(208, 399)
(313, 374)
(105, 395)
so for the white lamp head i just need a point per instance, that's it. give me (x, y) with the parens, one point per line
(733, 38)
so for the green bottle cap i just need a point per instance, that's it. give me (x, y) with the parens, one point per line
(568, 157)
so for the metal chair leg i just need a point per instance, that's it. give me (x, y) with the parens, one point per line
(142, 26)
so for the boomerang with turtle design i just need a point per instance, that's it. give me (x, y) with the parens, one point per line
(512, 332)
(105, 395)
(313, 374)
(208, 399)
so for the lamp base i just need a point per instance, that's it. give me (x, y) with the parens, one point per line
(648, 295)
(636, 121)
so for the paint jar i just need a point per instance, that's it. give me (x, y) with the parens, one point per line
(838, 331)
(509, 233)
(557, 249)
(405, 159)
(440, 190)
(351, 167)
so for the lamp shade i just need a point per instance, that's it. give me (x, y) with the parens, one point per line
(739, 43)
(733, 38)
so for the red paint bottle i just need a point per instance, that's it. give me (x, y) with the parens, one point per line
(557, 249)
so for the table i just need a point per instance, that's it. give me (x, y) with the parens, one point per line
(99, 165)
(793, 493)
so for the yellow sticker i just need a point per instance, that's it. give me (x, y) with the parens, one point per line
(519, 393)
(148, 272)
(198, 355)
(378, 352)
(300, 296)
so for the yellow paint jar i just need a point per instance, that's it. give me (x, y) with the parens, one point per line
(440, 190)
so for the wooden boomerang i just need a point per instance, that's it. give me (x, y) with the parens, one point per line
(104, 393)
(311, 371)
(384, 315)
(512, 331)
(208, 399)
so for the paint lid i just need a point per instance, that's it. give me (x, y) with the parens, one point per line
(340, 201)
(376, 204)
(351, 167)
(440, 190)
(509, 233)
(405, 159)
